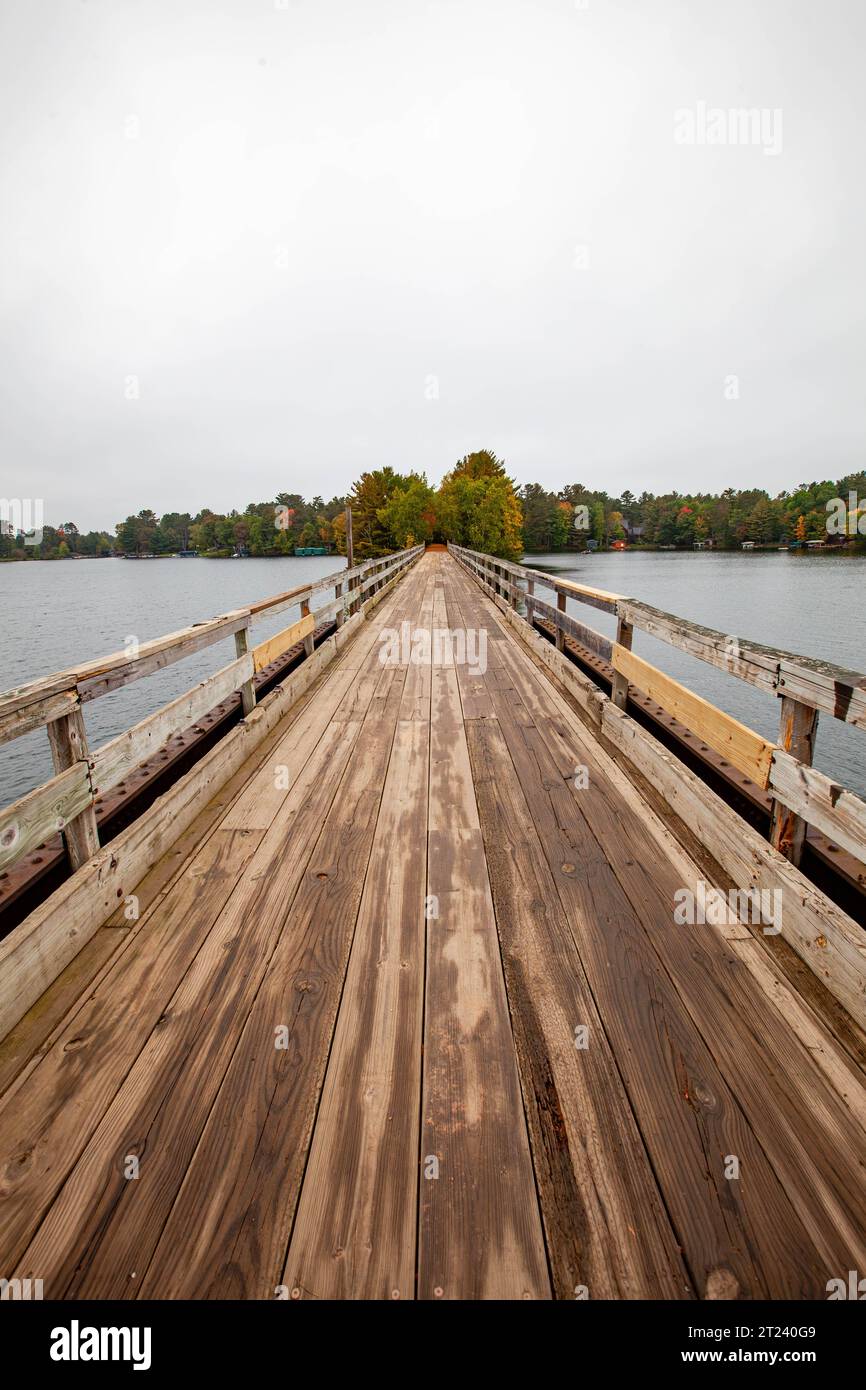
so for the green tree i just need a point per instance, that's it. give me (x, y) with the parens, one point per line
(409, 516)
(481, 513)
(135, 535)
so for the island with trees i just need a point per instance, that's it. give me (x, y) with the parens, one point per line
(476, 505)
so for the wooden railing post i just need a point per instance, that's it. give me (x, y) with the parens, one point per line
(309, 641)
(619, 688)
(68, 739)
(248, 689)
(798, 724)
(340, 614)
(560, 635)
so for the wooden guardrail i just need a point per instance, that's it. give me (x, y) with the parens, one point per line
(66, 802)
(805, 686)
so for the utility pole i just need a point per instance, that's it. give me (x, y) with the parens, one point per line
(350, 551)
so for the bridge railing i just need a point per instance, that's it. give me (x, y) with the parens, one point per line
(66, 802)
(807, 687)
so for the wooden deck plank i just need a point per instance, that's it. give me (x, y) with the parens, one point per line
(240, 1193)
(479, 1224)
(38, 1029)
(606, 1226)
(160, 1109)
(355, 1231)
(821, 1196)
(48, 1116)
(795, 1037)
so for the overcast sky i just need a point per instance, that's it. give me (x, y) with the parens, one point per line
(250, 246)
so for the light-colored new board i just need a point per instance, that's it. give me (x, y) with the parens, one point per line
(747, 750)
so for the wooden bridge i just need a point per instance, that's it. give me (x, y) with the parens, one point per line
(425, 980)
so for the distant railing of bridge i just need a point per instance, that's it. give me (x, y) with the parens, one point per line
(66, 802)
(806, 686)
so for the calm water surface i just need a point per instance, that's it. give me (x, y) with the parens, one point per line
(814, 605)
(59, 613)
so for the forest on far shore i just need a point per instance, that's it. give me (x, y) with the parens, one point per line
(476, 505)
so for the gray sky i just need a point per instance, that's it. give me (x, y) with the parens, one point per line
(293, 224)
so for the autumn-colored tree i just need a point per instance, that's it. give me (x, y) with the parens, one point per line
(369, 496)
(478, 508)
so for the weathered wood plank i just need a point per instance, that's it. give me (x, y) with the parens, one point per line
(826, 687)
(114, 760)
(595, 641)
(36, 1032)
(824, 936)
(44, 943)
(826, 1042)
(34, 818)
(42, 710)
(240, 1192)
(582, 593)
(821, 802)
(798, 725)
(51, 1118)
(30, 1034)
(688, 1114)
(747, 750)
(67, 738)
(248, 689)
(98, 677)
(607, 1230)
(162, 1105)
(619, 684)
(473, 1125)
(364, 1155)
(751, 662)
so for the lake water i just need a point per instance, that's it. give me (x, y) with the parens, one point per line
(813, 605)
(59, 613)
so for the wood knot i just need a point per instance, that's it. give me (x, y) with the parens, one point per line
(721, 1286)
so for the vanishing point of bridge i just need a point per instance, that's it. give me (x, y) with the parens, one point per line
(422, 982)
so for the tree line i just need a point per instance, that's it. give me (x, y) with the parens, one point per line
(476, 505)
